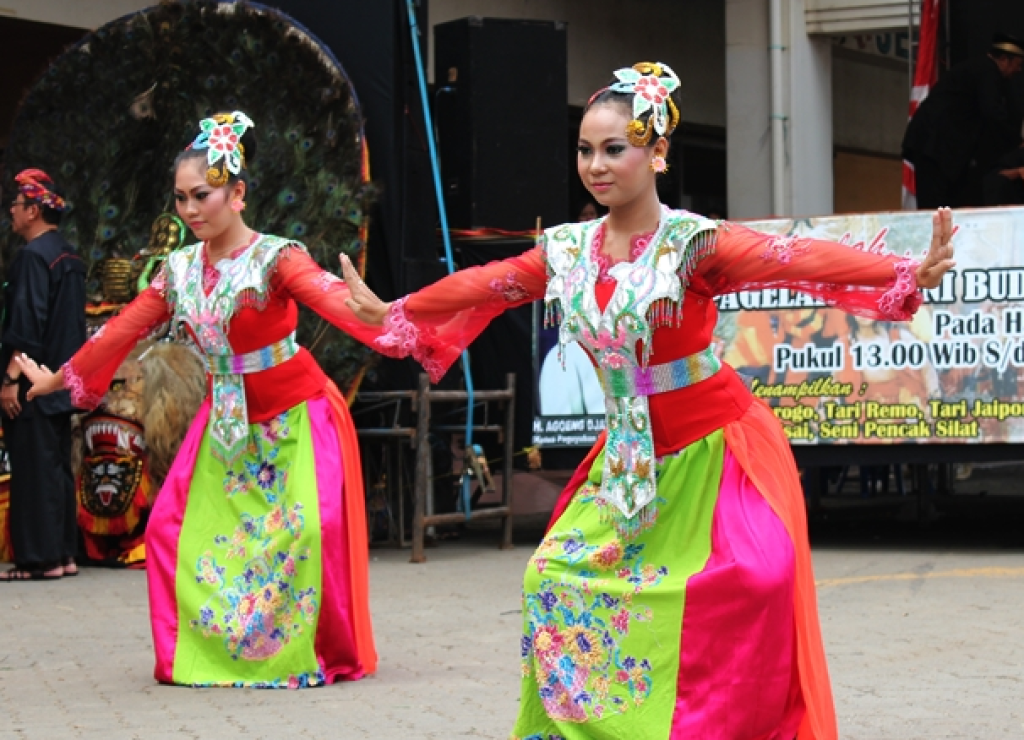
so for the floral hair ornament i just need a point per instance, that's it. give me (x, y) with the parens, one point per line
(33, 185)
(221, 136)
(651, 85)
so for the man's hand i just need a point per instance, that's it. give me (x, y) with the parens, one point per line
(9, 400)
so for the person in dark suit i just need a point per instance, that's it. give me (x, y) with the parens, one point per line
(44, 316)
(968, 120)
(1004, 185)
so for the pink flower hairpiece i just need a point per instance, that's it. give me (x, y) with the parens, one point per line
(651, 84)
(222, 136)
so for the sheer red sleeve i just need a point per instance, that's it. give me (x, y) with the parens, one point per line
(303, 279)
(872, 285)
(88, 373)
(437, 323)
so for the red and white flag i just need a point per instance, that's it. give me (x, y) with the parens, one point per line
(926, 74)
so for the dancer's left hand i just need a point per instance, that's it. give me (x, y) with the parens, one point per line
(939, 259)
(44, 381)
(364, 303)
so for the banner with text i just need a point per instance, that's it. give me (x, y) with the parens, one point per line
(953, 374)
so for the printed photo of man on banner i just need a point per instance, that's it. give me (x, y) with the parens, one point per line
(570, 402)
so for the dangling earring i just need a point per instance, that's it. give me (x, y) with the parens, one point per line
(238, 205)
(658, 165)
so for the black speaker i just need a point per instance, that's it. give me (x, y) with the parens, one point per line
(373, 44)
(501, 107)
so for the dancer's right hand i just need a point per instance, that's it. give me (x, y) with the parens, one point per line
(939, 259)
(364, 303)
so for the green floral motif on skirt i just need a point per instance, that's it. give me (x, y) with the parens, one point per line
(248, 579)
(603, 615)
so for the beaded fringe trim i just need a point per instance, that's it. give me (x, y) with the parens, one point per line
(664, 311)
(629, 528)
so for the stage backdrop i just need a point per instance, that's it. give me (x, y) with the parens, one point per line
(952, 375)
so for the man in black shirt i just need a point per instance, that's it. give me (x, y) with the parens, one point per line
(966, 123)
(44, 318)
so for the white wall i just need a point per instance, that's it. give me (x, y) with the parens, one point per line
(858, 16)
(809, 140)
(805, 109)
(603, 35)
(749, 107)
(89, 14)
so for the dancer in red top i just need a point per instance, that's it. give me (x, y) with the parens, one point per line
(256, 546)
(673, 595)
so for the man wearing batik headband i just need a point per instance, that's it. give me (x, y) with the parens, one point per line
(44, 317)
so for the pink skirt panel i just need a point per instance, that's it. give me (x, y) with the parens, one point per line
(162, 532)
(738, 677)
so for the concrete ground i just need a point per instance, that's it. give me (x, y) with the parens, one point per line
(923, 621)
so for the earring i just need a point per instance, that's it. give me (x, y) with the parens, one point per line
(658, 165)
(238, 206)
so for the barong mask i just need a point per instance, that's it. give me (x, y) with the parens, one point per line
(651, 84)
(35, 185)
(112, 466)
(221, 136)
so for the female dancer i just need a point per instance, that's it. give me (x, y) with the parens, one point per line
(256, 547)
(673, 595)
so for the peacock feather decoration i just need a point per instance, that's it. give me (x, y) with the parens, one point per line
(109, 116)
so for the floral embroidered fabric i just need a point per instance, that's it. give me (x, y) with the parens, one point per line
(402, 337)
(211, 272)
(205, 298)
(327, 281)
(637, 244)
(573, 645)
(81, 396)
(258, 614)
(902, 300)
(249, 552)
(601, 615)
(612, 333)
(783, 249)
(509, 288)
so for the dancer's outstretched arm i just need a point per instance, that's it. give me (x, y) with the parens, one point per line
(437, 323)
(873, 285)
(88, 373)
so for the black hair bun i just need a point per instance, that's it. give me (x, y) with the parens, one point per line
(248, 142)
